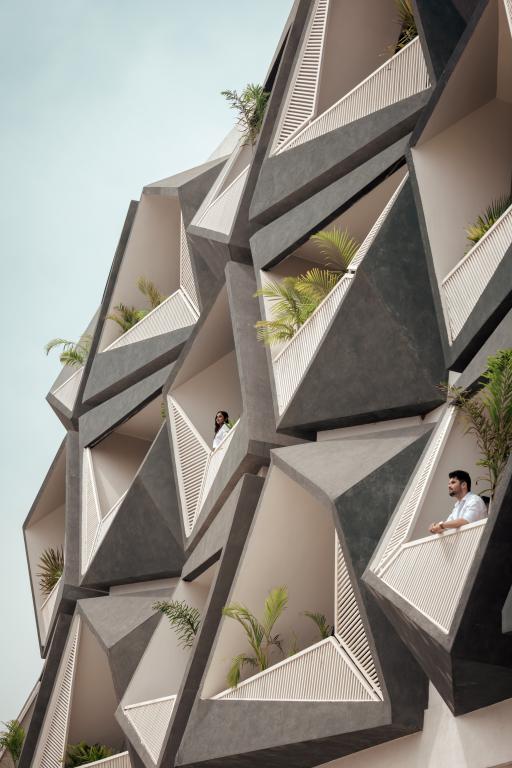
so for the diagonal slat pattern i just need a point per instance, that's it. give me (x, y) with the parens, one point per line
(150, 719)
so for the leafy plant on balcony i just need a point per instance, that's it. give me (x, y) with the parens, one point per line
(323, 626)
(184, 619)
(488, 414)
(51, 567)
(12, 738)
(73, 353)
(83, 753)
(294, 299)
(250, 105)
(260, 634)
(126, 317)
(484, 222)
(407, 22)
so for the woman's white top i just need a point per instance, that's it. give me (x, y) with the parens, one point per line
(220, 435)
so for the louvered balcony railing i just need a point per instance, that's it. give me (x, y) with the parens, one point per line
(291, 363)
(68, 390)
(175, 312)
(121, 760)
(464, 285)
(431, 573)
(402, 76)
(150, 719)
(415, 494)
(47, 609)
(196, 464)
(187, 282)
(220, 214)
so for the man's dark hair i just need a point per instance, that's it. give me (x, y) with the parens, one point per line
(462, 476)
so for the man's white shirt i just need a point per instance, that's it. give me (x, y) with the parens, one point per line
(471, 508)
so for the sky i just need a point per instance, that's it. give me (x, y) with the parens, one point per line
(98, 98)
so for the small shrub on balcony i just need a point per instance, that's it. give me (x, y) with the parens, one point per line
(11, 739)
(489, 415)
(83, 753)
(73, 353)
(321, 623)
(407, 22)
(184, 619)
(250, 105)
(484, 222)
(126, 317)
(51, 567)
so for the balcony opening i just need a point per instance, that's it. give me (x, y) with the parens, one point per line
(109, 468)
(327, 659)
(430, 570)
(83, 700)
(206, 383)
(362, 222)
(323, 95)
(157, 251)
(463, 163)
(149, 700)
(44, 538)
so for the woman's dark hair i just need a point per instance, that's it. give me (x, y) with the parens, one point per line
(462, 476)
(226, 419)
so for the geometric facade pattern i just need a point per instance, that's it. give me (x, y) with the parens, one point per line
(340, 438)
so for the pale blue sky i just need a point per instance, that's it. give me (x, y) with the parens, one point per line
(98, 98)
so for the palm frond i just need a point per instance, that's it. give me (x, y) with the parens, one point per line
(184, 619)
(321, 622)
(316, 284)
(337, 247)
(150, 291)
(12, 738)
(407, 22)
(486, 220)
(273, 331)
(73, 353)
(127, 317)
(250, 105)
(83, 754)
(51, 565)
(275, 604)
(237, 664)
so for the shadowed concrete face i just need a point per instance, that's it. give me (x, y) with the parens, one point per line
(144, 540)
(441, 24)
(381, 356)
(350, 477)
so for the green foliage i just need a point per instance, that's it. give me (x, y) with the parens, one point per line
(250, 105)
(489, 415)
(51, 565)
(12, 738)
(484, 222)
(184, 619)
(126, 316)
(337, 247)
(73, 353)
(408, 28)
(259, 633)
(83, 753)
(320, 620)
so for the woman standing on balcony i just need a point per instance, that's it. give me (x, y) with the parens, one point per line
(221, 427)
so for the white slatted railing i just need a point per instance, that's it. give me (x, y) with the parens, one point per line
(175, 312)
(68, 390)
(91, 511)
(47, 609)
(300, 104)
(348, 624)
(196, 464)
(121, 760)
(464, 285)
(402, 76)
(94, 524)
(322, 672)
(415, 494)
(220, 214)
(151, 719)
(51, 747)
(291, 362)
(431, 573)
(187, 282)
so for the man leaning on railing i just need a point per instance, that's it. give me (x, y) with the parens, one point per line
(468, 508)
